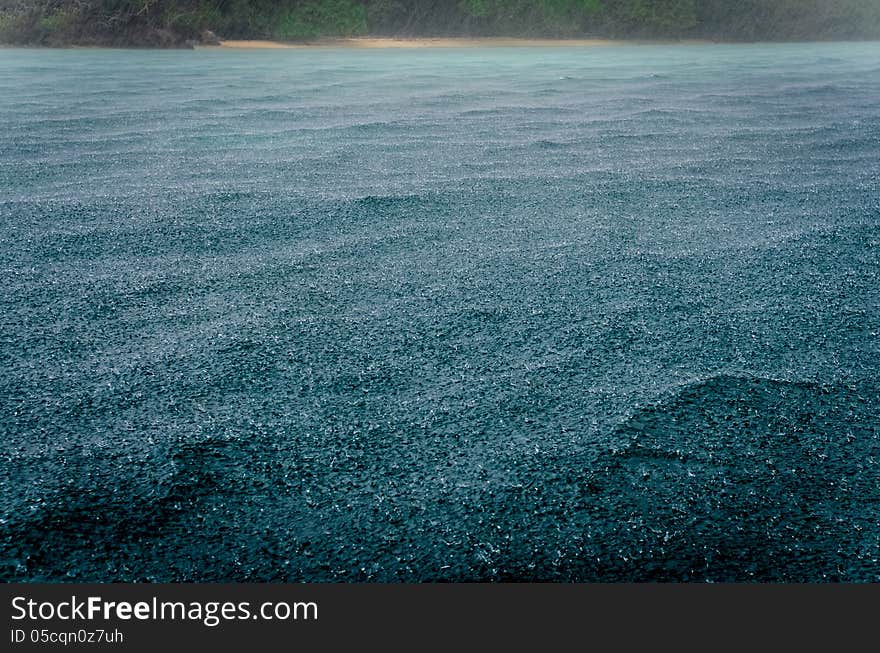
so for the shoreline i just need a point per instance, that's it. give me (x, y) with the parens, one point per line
(379, 43)
(370, 43)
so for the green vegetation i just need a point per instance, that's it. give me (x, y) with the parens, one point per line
(173, 23)
(314, 19)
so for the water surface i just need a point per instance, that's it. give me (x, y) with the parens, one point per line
(463, 314)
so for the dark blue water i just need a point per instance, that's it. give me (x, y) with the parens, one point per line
(480, 314)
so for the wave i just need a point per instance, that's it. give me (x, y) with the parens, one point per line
(738, 477)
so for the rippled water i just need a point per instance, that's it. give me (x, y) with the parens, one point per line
(527, 314)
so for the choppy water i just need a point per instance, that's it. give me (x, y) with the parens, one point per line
(554, 314)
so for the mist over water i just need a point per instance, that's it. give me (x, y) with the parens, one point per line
(571, 314)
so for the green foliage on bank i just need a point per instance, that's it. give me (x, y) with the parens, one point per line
(177, 22)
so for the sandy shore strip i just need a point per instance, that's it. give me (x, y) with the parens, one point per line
(376, 43)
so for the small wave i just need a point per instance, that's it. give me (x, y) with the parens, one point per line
(735, 477)
(547, 144)
(389, 201)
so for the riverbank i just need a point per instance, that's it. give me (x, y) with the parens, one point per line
(490, 42)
